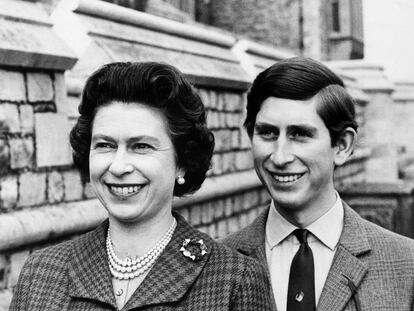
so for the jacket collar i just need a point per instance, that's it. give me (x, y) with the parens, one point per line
(252, 238)
(346, 265)
(347, 269)
(172, 274)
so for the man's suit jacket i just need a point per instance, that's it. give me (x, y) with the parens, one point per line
(75, 275)
(379, 263)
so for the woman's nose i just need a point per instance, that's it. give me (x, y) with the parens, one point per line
(120, 164)
(282, 153)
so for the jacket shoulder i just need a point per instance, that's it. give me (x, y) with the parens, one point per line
(386, 241)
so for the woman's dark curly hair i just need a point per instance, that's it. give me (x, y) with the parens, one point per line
(160, 86)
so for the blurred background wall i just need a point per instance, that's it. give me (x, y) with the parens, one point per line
(49, 47)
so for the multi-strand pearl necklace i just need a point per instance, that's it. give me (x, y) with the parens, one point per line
(128, 268)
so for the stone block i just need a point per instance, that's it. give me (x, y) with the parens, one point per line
(232, 101)
(71, 107)
(39, 87)
(220, 101)
(8, 192)
(55, 187)
(228, 206)
(221, 228)
(233, 224)
(216, 164)
(244, 160)
(32, 189)
(4, 157)
(226, 162)
(5, 299)
(17, 261)
(221, 119)
(223, 140)
(9, 118)
(52, 140)
(244, 140)
(60, 93)
(26, 119)
(195, 215)
(235, 139)
(15, 90)
(212, 119)
(218, 207)
(207, 213)
(233, 120)
(21, 152)
(73, 185)
(213, 100)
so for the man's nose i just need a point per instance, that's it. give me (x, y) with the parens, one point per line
(282, 153)
(120, 164)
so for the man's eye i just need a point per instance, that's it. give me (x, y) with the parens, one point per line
(301, 134)
(267, 134)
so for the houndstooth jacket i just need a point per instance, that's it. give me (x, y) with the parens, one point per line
(373, 268)
(75, 275)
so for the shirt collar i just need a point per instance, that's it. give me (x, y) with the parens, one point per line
(327, 228)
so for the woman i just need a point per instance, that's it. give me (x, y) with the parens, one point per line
(141, 139)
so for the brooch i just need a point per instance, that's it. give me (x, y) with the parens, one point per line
(193, 249)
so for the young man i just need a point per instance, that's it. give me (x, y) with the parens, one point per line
(319, 253)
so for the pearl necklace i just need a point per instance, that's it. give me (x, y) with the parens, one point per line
(128, 268)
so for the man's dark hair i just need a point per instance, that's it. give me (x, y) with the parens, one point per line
(301, 78)
(159, 86)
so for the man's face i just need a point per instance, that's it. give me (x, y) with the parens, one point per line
(293, 156)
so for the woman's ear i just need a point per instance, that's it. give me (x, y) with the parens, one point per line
(344, 146)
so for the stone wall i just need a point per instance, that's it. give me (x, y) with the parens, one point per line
(42, 199)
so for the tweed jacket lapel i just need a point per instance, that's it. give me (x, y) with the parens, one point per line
(346, 264)
(173, 274)
(89, 275)
(252, 243)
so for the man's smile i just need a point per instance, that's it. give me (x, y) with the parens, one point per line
(286, 177)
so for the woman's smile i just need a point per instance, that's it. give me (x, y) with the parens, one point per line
(126, 190)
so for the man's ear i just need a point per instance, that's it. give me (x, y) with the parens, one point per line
(344, 146)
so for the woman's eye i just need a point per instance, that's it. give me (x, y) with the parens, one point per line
(103, 146)
(142, 147)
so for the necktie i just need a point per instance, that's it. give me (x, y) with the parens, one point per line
(301, 290)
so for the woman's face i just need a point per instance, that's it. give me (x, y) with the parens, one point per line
(132, 162)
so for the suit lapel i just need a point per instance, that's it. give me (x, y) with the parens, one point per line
(89, 275)
(173, 274)
(346, 264)
(252, 243)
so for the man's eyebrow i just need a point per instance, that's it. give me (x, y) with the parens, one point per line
(264, 125)
(304, 127)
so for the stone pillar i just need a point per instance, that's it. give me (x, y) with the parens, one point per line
(33, 132)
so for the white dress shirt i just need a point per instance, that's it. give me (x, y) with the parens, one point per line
(281, 247)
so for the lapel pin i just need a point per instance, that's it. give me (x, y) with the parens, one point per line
(299, 297)
(193, 249)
